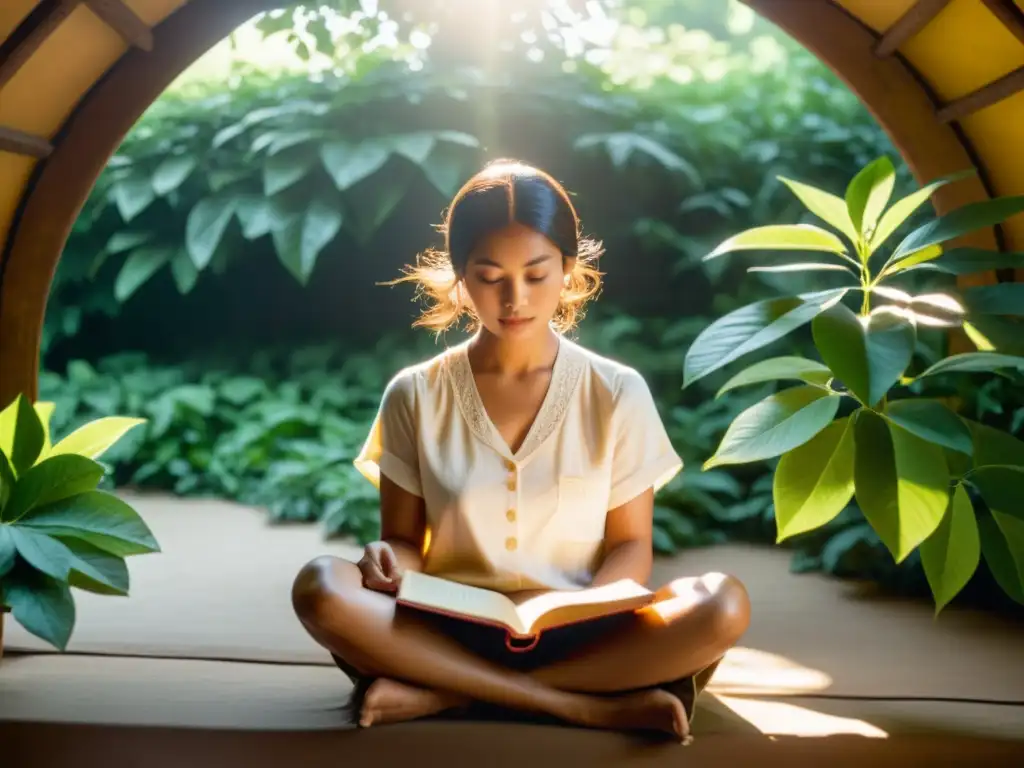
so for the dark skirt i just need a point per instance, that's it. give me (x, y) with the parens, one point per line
(553, 645)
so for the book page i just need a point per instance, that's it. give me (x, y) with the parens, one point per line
(554, 608)
(450, 597)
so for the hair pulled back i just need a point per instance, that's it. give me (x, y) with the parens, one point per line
(505, 192)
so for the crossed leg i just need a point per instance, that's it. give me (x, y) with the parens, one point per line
(690, 626)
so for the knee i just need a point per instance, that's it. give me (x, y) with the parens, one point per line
(315, 588)
(730, 603)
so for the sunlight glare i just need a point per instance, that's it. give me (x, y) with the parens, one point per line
(748, 670)
(778, 719)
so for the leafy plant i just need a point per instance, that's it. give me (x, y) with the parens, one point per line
(57, 530)
(853, 428)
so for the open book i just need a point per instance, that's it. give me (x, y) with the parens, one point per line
(525, 619)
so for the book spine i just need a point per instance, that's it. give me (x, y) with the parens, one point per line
(534, 639)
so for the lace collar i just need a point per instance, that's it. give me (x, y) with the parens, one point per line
(565, 376)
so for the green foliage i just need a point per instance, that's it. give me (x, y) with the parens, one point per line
(57, 530)
(904, 459)
(311, 171)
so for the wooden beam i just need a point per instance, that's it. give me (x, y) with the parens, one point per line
(1009, 14)
(986, 96)
(122, 19)
(917, 17)
(32, 33)
(21, 143)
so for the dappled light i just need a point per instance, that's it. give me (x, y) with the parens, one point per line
(777, 718)
(756, 672)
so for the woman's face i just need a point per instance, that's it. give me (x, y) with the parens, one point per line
(514, 279)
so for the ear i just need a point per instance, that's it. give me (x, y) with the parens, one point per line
(568, 265)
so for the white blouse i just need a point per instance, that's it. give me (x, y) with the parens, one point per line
(522, 520)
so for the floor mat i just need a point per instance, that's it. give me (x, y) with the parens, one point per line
(221, 590)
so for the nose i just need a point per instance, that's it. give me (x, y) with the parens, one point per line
(515, 293)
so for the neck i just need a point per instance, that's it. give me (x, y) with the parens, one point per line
(525, 355)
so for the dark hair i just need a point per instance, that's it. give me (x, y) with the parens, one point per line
(503, 193)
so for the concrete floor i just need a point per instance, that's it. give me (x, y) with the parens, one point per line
(205, 653)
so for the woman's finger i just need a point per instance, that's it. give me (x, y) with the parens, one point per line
(389, 561)
(373, 576)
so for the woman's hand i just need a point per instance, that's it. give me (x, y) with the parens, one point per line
(380, 567)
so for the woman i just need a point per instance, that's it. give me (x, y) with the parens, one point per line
(517, 461)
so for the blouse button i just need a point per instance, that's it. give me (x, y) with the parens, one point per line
(511, 515)
(510, 466)
(511, 543)
(511, 483)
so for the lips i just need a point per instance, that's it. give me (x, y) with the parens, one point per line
(515, 320)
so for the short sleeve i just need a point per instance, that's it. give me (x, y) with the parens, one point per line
(643, 457)
(391, 447)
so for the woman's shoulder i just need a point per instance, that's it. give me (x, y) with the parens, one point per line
(617, 378)
(424, 374)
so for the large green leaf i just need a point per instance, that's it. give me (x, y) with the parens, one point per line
(97, 517)
(623, 145)
(42, 605)
(802, 266)
(901, 483)
(868, 358)
(998, 299)
(966, 261)
(781, 237)
(994, 332)
(447, 166)
(42, 552)
(951, 555)
(916, 260)
(133, 195)
(1002, 545)
(1002, 488)
(7, 482)
(349, 163)
(777, 424)
(901, 210)
(300, 242)
(414, 146)
(374, 203)
(96, 570)
(21, 434)
(967, 362)
(52, 479)
(172, 172)
(960, 222)
(994, 447)
(750, 328)
(205, 226)
(184, 271)
(140, 265)
(826, 206)
(814, 482)
(931, 420)
(44, 410)
(255, 215)
(282, 170)
(868, 193)
(778, 368)
(7, 550)
(96, 437)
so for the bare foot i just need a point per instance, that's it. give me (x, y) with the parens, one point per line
(389, 701)
(654, 710)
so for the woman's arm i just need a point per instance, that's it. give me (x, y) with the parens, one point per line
(628, 547)
(403, 523)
